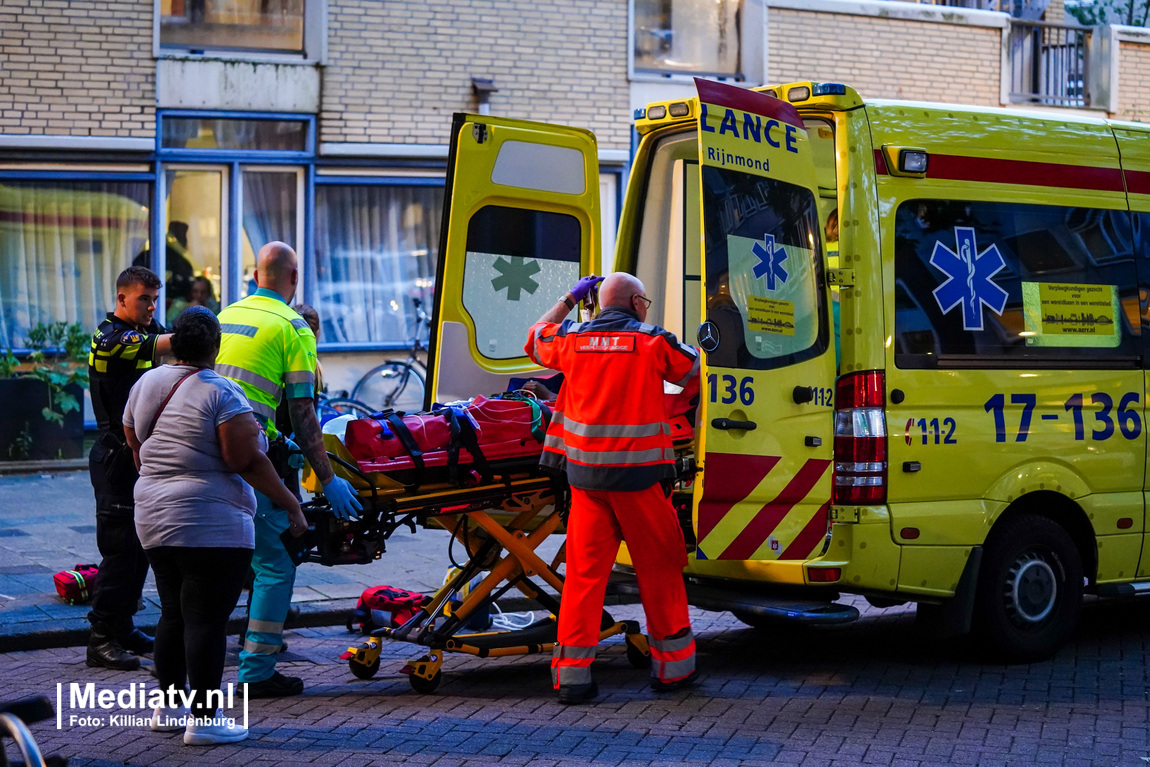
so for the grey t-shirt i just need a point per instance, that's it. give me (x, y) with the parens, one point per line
(186, 495)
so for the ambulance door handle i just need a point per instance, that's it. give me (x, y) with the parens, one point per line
(802, 395)
(726, 424)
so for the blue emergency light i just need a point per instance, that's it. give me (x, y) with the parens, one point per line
(830, 89)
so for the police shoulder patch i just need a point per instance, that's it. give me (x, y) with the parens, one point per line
(131, 337)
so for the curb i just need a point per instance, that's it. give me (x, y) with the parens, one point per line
(43, 467)
(74, 631)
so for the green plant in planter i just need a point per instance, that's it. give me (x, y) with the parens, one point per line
(59, 358)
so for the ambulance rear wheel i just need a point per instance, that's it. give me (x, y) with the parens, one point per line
(425, 686)
(363, 671)
(1030, 589)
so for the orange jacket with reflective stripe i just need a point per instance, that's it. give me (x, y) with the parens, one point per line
(609, 429)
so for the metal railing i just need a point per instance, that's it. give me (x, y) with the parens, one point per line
(1048, 63)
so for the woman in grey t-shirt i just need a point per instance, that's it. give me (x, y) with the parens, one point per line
(200, 452)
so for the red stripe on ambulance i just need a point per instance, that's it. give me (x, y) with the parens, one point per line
(730, 479)
(768, 518)
(805, 545)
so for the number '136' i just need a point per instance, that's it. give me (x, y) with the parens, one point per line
(731, 389)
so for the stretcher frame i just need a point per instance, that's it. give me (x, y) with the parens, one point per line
(500, 524)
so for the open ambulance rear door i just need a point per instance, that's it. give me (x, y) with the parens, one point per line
(520, 226)
(766, 418)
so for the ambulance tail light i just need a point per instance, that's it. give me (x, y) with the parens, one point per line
(860, 439)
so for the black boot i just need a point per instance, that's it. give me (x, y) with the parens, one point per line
(137, 643)
(105, 652)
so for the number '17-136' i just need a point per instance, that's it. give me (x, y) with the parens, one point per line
(1127, 416)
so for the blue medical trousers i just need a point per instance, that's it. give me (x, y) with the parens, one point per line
(271, 593)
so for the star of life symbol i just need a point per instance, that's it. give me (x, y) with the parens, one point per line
(771, 258)
(969, 278)
(515, 275)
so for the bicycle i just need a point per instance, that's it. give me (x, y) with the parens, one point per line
(13, 715)
(397, 384)
(329, 407)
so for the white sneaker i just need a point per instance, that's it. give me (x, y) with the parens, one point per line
(210, 732)
(166, 719)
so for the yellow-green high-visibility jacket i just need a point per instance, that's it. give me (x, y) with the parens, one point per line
(268, 350)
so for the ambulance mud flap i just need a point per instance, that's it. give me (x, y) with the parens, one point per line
(955, 616)
(729, 597)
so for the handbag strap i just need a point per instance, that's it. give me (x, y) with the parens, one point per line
(164, 404)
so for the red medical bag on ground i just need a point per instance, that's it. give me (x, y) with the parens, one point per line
(381, 606)
(76, 586)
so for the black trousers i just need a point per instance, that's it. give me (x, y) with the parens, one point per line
(198, 588)
(124, 566)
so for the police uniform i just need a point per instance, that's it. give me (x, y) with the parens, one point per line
(610, 433)
(120, 353)
(270, 351)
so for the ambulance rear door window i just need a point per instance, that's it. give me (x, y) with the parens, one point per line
(764, 271)
(1007, 285)
(518, 263)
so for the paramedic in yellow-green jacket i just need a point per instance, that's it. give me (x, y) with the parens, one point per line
(270, 351)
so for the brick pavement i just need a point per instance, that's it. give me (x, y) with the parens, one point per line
(879, 692)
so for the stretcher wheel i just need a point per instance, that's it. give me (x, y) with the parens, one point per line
(424, 686)
(363, 671)
(636, 656)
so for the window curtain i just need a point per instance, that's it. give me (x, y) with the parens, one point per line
(270, 208)
(376, 249)
(62, 245)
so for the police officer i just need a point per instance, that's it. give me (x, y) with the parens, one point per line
(270, 351)
(125, 345)
(610, 432)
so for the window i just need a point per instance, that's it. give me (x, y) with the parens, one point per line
(376, 249)
(698, 37)
(983, 284)
(62, 245)
(764, 270)
(241, 25)
(518, 262)
(232, 133)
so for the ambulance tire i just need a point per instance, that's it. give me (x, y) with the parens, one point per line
(1030, 589)
(363, 671)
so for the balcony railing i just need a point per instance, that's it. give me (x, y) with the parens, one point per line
(1048, 63)
(977, 5)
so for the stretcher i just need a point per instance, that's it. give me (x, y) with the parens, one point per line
(498, 516)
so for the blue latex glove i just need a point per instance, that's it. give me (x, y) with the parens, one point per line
(583, 287)
(341, 495)
(295, 455)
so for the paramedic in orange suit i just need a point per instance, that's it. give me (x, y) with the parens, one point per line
(610, 433)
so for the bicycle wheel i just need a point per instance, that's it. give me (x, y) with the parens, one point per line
(348, 406)
(394, 384)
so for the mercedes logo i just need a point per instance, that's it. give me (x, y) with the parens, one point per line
(708, 337)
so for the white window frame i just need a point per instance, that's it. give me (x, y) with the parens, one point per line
(314, 42)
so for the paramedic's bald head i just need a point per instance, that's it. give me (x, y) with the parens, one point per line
(626, 291)
(277, 269)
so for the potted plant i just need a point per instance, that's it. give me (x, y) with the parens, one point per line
(44, 418)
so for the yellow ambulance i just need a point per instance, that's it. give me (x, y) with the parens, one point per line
(924, 371)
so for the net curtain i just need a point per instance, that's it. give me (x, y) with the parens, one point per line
(62, 245)
(376, 249)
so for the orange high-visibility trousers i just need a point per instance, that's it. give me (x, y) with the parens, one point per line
(599, 520)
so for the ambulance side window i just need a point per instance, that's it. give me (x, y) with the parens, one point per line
(986, 284)
(518, 263)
